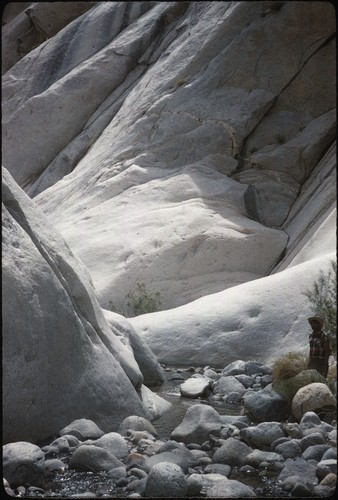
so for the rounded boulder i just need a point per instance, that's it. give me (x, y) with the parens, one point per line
(136, 423)
(93, 458)
(199, 421)
(166, 480)
(23, 462)
(312, 397)
(83, 429)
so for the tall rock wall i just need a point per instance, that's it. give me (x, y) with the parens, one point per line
(61, 359)
(188, 147)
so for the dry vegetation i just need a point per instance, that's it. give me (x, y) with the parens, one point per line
(289, 365)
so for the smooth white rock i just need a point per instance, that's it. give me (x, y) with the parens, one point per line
(195, 387)
(55, 337)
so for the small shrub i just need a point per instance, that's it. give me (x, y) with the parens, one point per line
(139, 301)
(289, 365)
(323, 299)
(142, 301)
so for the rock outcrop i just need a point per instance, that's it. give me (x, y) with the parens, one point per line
(61, 359)
(185, 146)
(197, 152)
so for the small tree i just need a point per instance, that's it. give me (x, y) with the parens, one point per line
(323, 299)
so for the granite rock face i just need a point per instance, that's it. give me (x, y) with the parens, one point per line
(61, 359)
(186, 146)
(197, 152)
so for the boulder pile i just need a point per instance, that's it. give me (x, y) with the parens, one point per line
(250, 384)
(208, 454)
(218, 458)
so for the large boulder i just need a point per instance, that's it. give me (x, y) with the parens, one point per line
(91, 458)
(301, 469)
(227, 384)
(136, 423)
(195, 386)
(259, 457)
(230, 488)
(265, 405)
(154, 404)
(199, 484)
(263, 434)
(114, 443)
(199, 422)
(23, 462)
(61, 359)
(177, 456)
(82, 429)
(233, 452)
(313, 397)
(166, 480)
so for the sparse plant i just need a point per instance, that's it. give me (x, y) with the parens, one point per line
(289, 365)
(323, 299)
(143, 301)
(290, 373)
(139, 301)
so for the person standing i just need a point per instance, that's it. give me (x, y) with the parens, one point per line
(319, 347)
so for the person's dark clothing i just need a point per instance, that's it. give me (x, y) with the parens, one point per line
(319, 353)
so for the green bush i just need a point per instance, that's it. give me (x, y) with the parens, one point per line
(139, 301)
(323, 299)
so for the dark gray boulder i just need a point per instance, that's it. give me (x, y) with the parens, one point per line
(22, 463)
(265, 405)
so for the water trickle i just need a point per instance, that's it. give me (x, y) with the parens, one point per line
(170, 390)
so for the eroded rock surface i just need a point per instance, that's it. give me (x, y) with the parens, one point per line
(200, 155)
(186, 146)
(56, 341)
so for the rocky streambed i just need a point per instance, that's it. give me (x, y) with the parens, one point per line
(204, 446)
